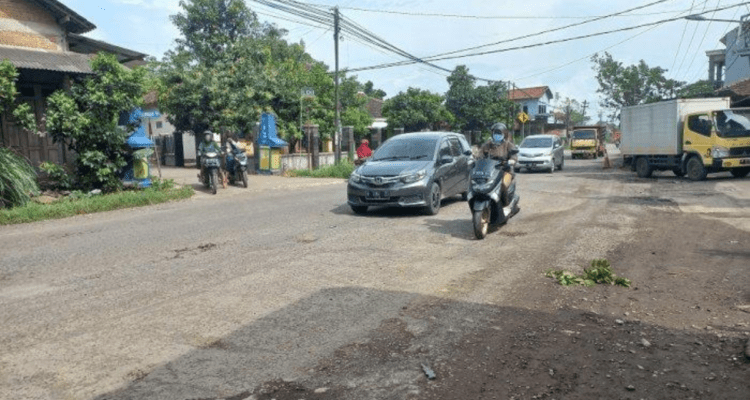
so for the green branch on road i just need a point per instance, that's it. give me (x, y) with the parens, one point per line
(68, 207)
(600, 272)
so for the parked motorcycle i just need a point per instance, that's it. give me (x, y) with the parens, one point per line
(488, 203)
(236, 164)
(210, 172)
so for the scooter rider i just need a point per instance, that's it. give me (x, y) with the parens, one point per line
(206, 146)
(499, 146)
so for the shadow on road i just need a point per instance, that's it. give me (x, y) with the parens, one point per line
(361, 343)
(393, 212)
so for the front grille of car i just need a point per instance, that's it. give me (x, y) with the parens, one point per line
(380, 181)
(739, 152)
(529, 155)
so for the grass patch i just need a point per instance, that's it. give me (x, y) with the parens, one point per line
(341, 170)
(67, 207)
(600, 272)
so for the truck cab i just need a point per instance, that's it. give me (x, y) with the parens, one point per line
(587, 142)
(715, 141)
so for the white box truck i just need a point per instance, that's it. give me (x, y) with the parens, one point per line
(687, 136)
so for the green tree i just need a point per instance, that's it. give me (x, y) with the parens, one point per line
(86, 119)
(417, 109)
(702, 88)
(622, 86)
(9, 95)
(476, 107)
(369, 89)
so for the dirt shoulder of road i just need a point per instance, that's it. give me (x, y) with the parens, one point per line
(680, 331)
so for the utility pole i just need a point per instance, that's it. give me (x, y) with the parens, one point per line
(337, 134)
(583, 113)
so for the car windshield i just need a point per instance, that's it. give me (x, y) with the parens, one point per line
(536, 143)
(733, 123)
(587, 134)
(418, 148)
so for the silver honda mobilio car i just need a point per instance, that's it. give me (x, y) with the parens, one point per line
(413, 170)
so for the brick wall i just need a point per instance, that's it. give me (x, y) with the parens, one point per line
(24, 24)
(22, 10)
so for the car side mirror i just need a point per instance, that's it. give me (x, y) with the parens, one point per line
(446, 160)
(468, 153)
(513, 151)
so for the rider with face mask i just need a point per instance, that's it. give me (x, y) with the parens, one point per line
(499, 144)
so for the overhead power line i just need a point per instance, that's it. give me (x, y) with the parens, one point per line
(490, 17)
(507, 49)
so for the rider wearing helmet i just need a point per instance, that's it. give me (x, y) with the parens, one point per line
(207, 145)
(499, 145)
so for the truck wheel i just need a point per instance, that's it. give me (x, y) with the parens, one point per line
(696, 171)
(643, 167)
(740, 172)
(678, 172)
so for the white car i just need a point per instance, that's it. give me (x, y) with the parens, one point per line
(541, 153)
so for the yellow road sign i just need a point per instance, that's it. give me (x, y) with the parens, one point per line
(523, 117)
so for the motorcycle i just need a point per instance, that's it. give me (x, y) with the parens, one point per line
(488, 203)
(236, 165)
(210, 172)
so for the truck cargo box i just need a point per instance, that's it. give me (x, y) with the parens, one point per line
(656, 128)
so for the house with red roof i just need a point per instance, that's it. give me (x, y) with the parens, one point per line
(535, 102)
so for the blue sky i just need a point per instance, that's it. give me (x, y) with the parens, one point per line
(678, 46)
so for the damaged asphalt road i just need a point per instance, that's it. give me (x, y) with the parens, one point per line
(286, 294)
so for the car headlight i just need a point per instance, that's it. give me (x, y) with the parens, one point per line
(719, 152)
(355, 177)
(411, 178)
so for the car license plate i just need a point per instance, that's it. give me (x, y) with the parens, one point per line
(378, 194)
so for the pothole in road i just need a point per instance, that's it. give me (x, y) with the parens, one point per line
(200, 249)
(645, 201)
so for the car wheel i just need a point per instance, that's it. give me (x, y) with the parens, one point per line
(696, 171)
(359, 209)
(435, 196)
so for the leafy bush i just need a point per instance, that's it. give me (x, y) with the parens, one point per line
(86, 120)
(600, 272)
(57, 175)
(341, 170)
(17, 179)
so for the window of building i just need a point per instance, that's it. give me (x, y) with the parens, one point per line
(542, 109)
(159, 124)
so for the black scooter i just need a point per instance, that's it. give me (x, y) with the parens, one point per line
(236, 164)
(488, 204)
